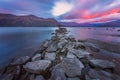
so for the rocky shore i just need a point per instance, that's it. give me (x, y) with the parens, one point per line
(62, 58)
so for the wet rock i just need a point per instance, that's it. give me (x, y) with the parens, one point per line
(50, 56)
(94, 74)
(21, 60)
(58, 73)
(79, 53)
(102, 63)
(93, 47)
(36, 57)
(73, 79)
(39, 78)
(72, 67)
(37, 66)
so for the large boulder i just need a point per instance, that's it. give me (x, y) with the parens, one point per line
(58, 73)
(50, 56)
(52, 47)
(102, 63)
(36, 57)
(37, 66)
(21, 60)
(72, 67)
(79, 53)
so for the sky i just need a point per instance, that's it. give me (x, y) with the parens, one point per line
(80, 11)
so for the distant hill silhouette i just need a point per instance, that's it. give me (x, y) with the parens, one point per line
(115, 23)
(10, 20)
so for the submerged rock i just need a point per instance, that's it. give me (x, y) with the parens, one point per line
(102, 63)
(37, 66)
(21, 60)
(72, 67)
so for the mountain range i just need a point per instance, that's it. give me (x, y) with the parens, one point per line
(10, 20)
(115, 23)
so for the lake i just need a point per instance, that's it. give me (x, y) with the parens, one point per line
(19, 41)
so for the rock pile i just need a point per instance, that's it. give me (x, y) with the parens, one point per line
(60, 58)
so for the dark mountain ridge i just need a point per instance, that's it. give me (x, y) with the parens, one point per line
(10, 20)
(115, 23)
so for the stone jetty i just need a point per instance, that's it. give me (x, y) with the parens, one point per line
(61, 58)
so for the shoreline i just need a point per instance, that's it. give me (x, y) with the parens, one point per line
(71, 59)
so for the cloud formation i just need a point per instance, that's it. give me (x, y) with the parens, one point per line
(65, 10)
(61, 7)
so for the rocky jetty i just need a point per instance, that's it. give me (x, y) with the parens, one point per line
(61, 58)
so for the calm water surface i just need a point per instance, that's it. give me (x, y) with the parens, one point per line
(26, 40)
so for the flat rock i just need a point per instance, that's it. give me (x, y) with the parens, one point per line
(72, 67)
(37, 66)
(50, 56)
(79, 53)
(102, 63)
(36, 57)
(58, 73)
(21, 60)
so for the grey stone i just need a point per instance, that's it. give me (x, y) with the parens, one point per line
(37, 66)
(39, 77)
(70, 55)
(93, 47)
(58, 73)
(72, 67)
(79, 53)
(50, 56)
(94, 74)
(52, 46)
(21, 60)
(70, 45)
(73, 79)
(102, 63)
(36, 57)
(62, 43)
(7, 77)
